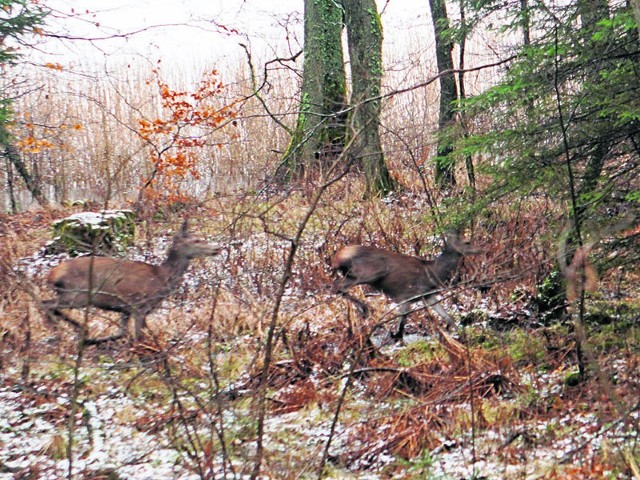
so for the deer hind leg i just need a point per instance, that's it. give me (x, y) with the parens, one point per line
(124, 321)
(53, 314)
(434, 303)
(402, 314)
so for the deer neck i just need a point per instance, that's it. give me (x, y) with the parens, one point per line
(174, 268)
(444, 265)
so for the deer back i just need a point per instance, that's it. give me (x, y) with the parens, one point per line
(397, 275)
(115, 284)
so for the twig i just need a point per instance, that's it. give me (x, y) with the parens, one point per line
(273, 325)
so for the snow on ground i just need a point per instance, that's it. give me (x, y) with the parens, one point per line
(29, 428)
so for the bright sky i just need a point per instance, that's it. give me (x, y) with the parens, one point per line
(185, 31)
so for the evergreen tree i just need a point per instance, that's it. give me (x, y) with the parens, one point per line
(565, 119)
(20, 19)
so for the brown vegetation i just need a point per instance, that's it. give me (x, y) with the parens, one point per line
(502, 396)
(502, 380)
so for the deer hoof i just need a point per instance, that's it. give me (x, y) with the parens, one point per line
(397, 337)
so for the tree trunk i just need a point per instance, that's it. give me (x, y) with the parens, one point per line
(11, 192)
(320, 125)
(471, 174)
(635, 6)
(591, 13)
(445, 178)
(364, 35)
(12, 154)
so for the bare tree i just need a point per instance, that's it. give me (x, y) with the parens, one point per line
(323, 126)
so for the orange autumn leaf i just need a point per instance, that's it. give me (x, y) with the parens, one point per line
(54, 66)
(176, 138)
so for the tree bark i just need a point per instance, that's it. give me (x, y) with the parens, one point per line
(320, 124)
(462, 94)
(592, 12)
(12, 154)
(364, 35)
(445, 178)
(635, 6)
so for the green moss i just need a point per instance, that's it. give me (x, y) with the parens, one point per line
(419, 352)
(573, 379)
(617, 334)
(526, 348)
(88, 232)
(550, 298)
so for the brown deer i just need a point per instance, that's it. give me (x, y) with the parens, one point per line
(125, 286)
(402, 278)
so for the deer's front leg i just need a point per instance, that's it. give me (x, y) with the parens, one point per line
(341, 287)
(434, 303)
(140, 325)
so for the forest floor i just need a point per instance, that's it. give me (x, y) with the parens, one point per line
(498, 398)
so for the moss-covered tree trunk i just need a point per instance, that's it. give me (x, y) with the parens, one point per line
(445, 178)
(364, 35)
(635, 6)
(10, 152)
(320, 124)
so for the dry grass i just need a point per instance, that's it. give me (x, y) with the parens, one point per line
(499, 393)
(201, 362)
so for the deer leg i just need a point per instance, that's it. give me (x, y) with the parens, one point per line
(340, 287)
(53, 313)
(362, 307)
(97, 341)
(434, 303)
(140, 325)
(124, 321)
(402, 313)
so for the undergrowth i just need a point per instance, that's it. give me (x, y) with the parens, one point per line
(497, 391)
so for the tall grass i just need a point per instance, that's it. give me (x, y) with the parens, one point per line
(91, 119)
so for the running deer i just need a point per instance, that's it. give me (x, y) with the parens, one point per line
(402, 278)
(125, 286)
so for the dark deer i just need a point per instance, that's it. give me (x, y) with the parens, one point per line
(125, 286)
(402, 278)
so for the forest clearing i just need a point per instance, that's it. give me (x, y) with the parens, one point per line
(494, 168)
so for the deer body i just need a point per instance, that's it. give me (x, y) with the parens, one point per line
(132, 288)
(403, 278)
